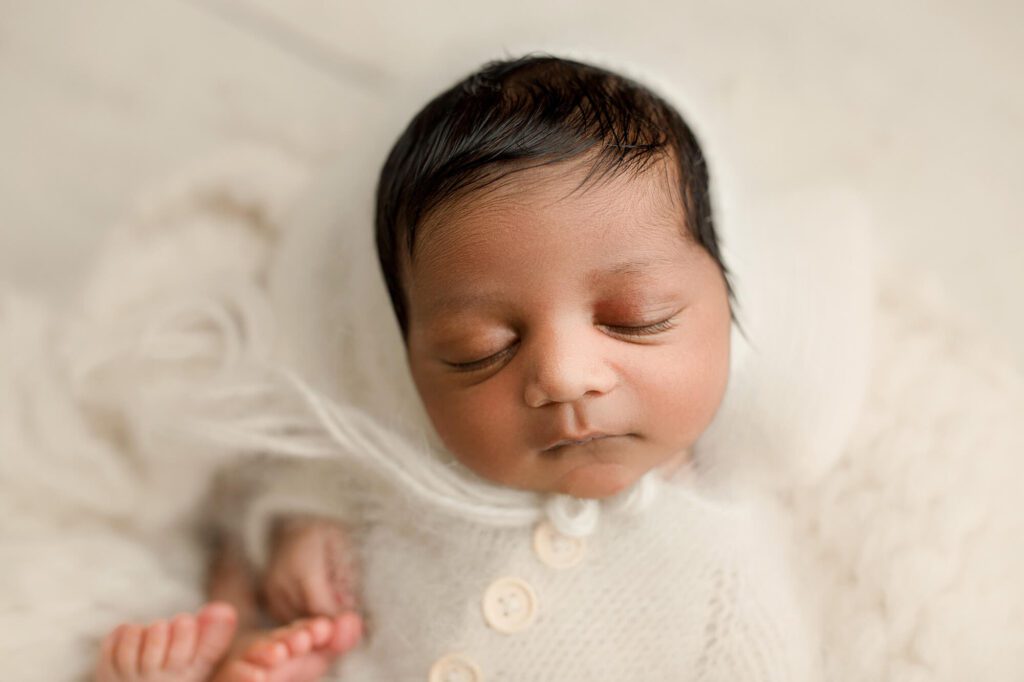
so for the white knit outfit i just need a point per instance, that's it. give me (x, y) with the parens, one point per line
(689, 588)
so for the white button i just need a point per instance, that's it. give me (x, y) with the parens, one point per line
(557, 550)
(510, 605)
(455, 668)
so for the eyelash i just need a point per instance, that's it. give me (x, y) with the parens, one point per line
(642, 330)
(646, 329)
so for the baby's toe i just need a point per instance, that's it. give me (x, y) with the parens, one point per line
(268, 653)
(298, 640)
(320, 631)
(348, 630)
(182, 647)
(126, 651)
(154, 647)
(217, 623)
(105, 665)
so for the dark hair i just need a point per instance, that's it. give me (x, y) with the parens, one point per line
(523, 113)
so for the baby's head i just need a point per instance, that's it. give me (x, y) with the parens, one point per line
(545, 232)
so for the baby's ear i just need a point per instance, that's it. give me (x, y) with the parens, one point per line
(803, 272)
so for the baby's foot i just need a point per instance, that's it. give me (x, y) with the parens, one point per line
(185, 650)
(299, 652)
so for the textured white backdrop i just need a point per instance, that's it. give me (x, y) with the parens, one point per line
(920, 105)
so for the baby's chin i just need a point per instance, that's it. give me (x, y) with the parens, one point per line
(596, 480)
(588, 479)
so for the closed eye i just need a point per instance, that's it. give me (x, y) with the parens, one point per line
(643, 330)
(636, 331)
(483, 363)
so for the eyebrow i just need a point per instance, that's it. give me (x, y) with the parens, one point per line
(630, 267)
(634, 267)
(452, 304)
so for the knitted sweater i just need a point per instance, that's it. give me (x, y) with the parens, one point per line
(690, 588)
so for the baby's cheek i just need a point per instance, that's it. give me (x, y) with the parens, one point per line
(684, 397)
(480, 428)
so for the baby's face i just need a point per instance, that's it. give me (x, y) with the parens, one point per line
(567, 342)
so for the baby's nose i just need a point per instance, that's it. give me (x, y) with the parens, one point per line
(565, 369)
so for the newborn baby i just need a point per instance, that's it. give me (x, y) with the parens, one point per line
(546, 236)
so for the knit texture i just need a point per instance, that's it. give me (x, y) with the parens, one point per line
(692, 588)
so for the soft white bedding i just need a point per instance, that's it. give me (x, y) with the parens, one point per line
(894, 429)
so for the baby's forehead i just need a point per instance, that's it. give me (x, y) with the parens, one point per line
(533, 245)
(560, 196)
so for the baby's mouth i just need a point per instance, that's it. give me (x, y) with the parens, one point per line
(565, 443)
